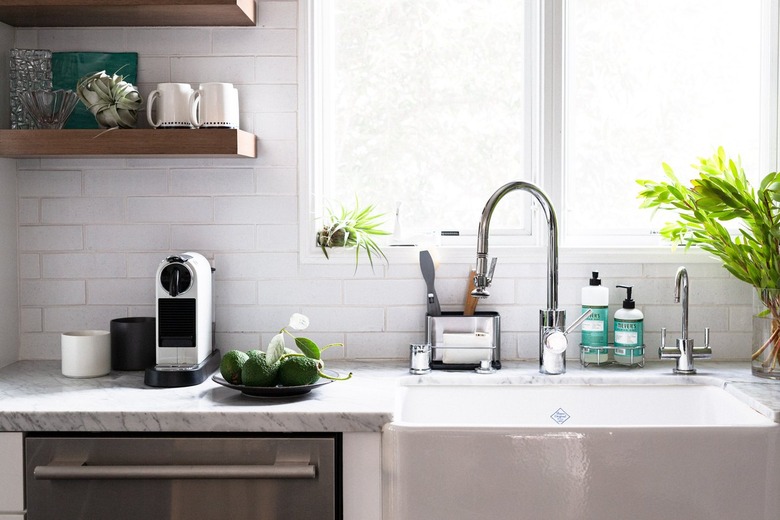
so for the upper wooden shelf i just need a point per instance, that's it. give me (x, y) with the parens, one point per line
(91, 13)
(125, 142)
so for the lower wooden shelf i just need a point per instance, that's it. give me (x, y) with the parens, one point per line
(218, 142)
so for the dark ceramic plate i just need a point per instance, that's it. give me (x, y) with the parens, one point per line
(274, 391)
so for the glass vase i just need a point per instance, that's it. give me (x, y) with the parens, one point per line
(766, 334)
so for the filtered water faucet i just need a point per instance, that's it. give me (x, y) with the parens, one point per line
(684, 351)
(552, 321)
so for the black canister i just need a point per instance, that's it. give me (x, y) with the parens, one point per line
(133, 343)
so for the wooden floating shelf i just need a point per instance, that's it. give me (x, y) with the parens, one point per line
(217, 142)
(105, 13)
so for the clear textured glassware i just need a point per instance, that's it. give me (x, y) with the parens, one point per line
(49, 109)
(29, 69)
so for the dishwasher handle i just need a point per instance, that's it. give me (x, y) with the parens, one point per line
(60, 471)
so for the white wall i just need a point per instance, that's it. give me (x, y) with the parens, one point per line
(92, 231)
(9, 290)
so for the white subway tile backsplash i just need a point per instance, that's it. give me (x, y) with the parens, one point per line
(52, 292)
(255, 210)
(277, 238)
(130, 238)
(239, 70)
(82, 210)
(119, 183)
(235, 292)
(276, 126)
(170, 209)
(268, 98)
(339, 319)
(81, 317)
(169, 41)
(84, 265)
(29, 265)
(50, 238)
(73, 39)
(213, 237)
(154, 70)
(213, 181)
(82, 163)
(300, 292)
(278, 15)
(276, 69)
(31, 319)
(384, 292)
(407, 318)
(256, 266)
(49, 183)
(29, 211)
(130, 291)
(255, 42)
(277, 153)
(277, 181)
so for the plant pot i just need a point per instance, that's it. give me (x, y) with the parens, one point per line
(766, 334)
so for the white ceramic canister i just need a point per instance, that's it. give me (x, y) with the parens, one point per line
(86, 353)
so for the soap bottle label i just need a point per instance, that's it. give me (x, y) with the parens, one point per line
(594, 328)
(629, 333)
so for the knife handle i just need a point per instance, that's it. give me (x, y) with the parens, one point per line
(471, 301)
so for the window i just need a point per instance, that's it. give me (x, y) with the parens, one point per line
(435, 104)
(653, 82)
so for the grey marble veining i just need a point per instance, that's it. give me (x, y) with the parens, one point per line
(34, 396)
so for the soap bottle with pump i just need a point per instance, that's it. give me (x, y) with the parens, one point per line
(595, 297)
(629, 332)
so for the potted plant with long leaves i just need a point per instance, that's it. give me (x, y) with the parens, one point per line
(353, 228)
(721, 195)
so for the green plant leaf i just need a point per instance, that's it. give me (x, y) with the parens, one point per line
(308, 348)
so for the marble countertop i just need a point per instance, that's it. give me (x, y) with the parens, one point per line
(34, 396)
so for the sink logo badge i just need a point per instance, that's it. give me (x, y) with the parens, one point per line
(560, 416)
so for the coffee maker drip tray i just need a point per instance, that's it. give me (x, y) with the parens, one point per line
(169, 376)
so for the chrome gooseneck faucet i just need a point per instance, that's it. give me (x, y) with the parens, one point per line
(552, 321)
(684, 351)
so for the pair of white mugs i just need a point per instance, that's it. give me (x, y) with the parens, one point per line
(212, 105)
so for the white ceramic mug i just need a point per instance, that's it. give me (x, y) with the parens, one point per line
(215, 105)
(173, 105)
(86, 353)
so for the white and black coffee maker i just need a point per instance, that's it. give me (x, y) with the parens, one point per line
(185, 321)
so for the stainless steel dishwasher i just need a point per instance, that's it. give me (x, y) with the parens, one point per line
(182, 477)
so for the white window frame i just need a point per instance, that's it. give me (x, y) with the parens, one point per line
(546, 149)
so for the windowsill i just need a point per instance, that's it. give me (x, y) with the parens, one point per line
(401, 255)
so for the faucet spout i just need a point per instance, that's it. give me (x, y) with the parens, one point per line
(483, 278)
(681, 291)
(552, 321)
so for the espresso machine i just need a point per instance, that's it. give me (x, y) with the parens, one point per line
(185, 353)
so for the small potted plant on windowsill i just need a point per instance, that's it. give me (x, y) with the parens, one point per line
(353, 228)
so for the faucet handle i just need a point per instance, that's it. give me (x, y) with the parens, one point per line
(492, 269)
(704, 352)
(665, 352)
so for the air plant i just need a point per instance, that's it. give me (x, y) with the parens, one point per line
(354, 227)
(113, 101)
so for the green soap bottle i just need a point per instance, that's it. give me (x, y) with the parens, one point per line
(629, 332)
(595, 328)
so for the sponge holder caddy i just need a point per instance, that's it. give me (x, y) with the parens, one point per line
(483, 322)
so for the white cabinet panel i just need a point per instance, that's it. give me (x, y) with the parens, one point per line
(362, 476)
(12, 475)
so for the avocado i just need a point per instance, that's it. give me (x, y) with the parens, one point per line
(257, 371)
(231, 365)
(298, 371)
